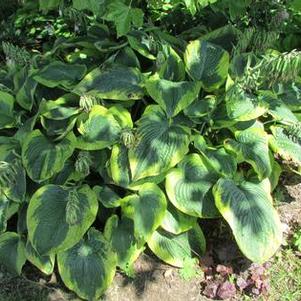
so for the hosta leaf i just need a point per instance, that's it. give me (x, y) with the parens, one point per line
(176, 249)
(173, 97)
(7, 119)
(252, 146)
(119, 165)
(172, 68)
(200, 108)
(122, 115)
(207, 63)
(43, 263)
(98, 128)
(287, 142)
(121, 235)
(142, 43)
(249, 212)
(161, 145)
(26, 90)
(177, 222)
(146, 209)
(4, 206)
(60, 74)
(222, 162)
(242, 106)
(278, 109)
(43, 158)
(89, 267)
(118, 83)
(189, 187)
(107, 197)
(12, 252)
(290, 95)
(58, 217)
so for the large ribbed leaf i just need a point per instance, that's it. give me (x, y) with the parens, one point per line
(248, 210)
(121, 235)
(89, 267)
(242, 106)
(287, 142)
(162, 144)
(176, 221)
(60, 74)
(189, 187)
(107, 197)
(12, 173)
(119, 83)
(43, 263)
(43, 158)
(172, 67)
(4, 206)
(173, 97)
(98, 128)
(146, 209)
(176, 249)
(7, 119)
(58, 217)
(251, 145)
(119, 165)
(12, 252)
(207, 63)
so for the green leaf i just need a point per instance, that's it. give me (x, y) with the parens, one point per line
(176, 249)
(142, 43)
(107, 197)
(43, 158)
(189, 187)
(177, 222)
(173, 97)
(146, 209)
(12, 252)
(120, 233)
(7, 119)
(49, 4)
(43, 263)
(172, 68)
(60, 74)
(124, 16)
(207, 63)
(58, 217)
(243, 106)
(25, 86)
(89, 267)
(252, 146)
(248, 210)
(117, 83)
(287, 142)
(4, 207)
(98, 128)
(161, 145)
(95, 6)
(119, 166)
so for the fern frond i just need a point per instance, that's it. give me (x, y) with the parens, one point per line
(255, 40)
(15, 55)
(281, 68)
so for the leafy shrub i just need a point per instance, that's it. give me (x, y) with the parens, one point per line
(124, 137)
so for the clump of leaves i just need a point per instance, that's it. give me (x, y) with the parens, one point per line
(125, 137)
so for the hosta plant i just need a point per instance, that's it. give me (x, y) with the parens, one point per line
(125, 138)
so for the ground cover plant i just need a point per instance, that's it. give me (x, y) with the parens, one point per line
(123, 134)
